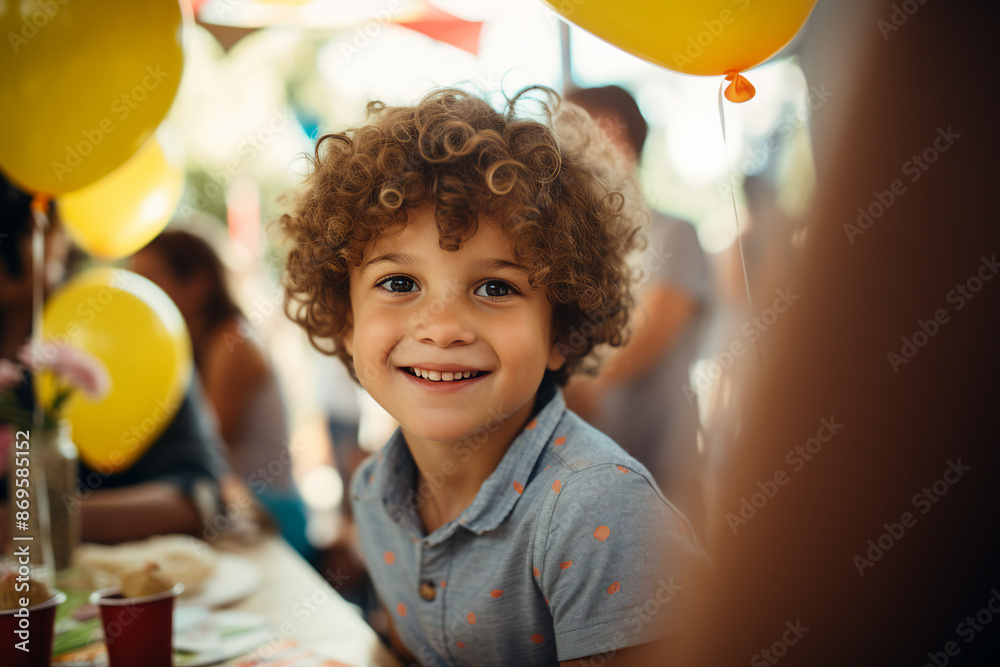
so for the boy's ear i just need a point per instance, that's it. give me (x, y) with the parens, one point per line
(556, 358)
(347, 335)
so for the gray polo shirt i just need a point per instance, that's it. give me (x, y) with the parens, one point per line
(569, 549)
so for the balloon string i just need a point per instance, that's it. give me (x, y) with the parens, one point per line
(736, 216)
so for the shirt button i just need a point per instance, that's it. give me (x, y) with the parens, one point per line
(427, 591)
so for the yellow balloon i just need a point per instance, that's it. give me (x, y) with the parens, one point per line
(84, 84)
(134, 328)
(126, 209)
(706, 37)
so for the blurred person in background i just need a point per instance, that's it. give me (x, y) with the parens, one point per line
(873, 423)
(173, 487)
(238, 379)
(639, 397)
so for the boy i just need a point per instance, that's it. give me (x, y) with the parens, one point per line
(464, 263)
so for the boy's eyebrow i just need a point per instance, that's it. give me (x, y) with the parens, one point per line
(493, 264)
(402, 258)
(395, 257)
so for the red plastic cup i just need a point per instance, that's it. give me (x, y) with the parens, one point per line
(138, 631)
(39, 623)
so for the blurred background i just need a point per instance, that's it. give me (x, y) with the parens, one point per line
(263, 81)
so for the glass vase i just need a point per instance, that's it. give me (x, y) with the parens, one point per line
(61, 461)
(43, 510)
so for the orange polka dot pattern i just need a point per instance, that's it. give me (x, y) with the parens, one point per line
(577, 493)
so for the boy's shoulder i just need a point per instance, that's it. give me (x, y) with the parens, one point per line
(590, 473)
(577, 447)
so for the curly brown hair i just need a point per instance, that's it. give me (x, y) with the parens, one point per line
(553, 185)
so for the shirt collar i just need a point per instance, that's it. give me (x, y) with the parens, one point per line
(396, 477)
(504, 487)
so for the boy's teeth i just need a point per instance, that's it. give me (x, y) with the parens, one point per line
(439, 376)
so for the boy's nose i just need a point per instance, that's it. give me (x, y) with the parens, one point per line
(443, 321)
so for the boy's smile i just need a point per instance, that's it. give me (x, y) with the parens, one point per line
(447, 341)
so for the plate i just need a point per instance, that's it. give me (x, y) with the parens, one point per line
(234, 578)
(204, 637)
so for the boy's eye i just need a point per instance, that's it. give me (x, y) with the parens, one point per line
(398, 284)
(495, 289)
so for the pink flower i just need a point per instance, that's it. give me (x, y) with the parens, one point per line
(10, 374)
(71, 365)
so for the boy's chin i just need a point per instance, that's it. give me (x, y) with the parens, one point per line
(430, 433)
(448, 431)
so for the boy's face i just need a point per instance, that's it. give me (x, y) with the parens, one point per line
(419, 309)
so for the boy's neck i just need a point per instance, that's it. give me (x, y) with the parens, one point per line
(451, 473)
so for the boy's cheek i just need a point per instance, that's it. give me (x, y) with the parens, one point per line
(366, 371)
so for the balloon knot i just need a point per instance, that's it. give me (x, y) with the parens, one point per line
(40, 202)
(40, 210)
(740, 90)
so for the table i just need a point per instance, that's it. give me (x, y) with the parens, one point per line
(300, 605)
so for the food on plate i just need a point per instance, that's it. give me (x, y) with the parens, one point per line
(181, 558)
(143, 581)
(10, 596)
